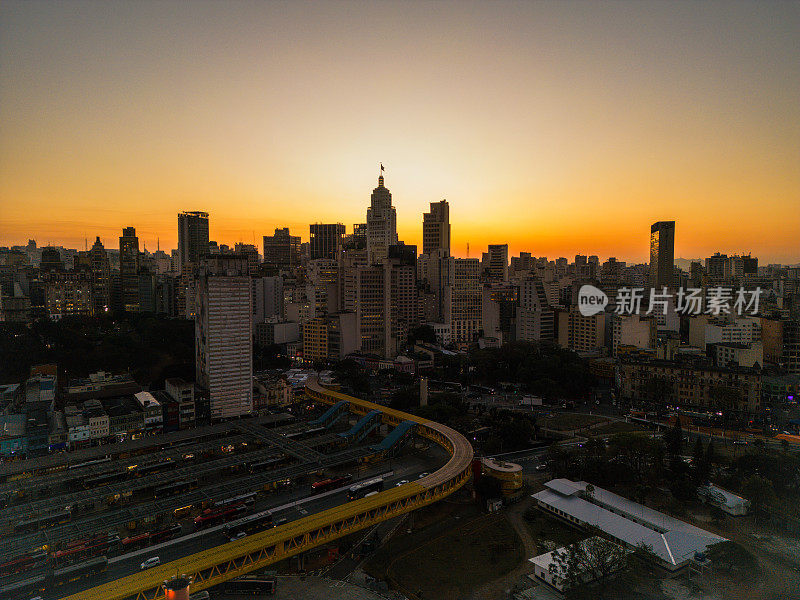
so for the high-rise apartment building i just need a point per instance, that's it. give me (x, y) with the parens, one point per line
(381, 223)
(498, 261)
(465, 299)
(282, 250)
(129, 269)
(326, 239)
(535, 318)
(436, 228)
(223, 338)
(662, 254)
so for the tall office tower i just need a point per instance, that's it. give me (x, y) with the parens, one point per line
(326, 239)
(384, 298)
(101, 278)
(498, 261)
(535, 318)
(192, 247)
(351, 260)
(499, 312)
(322, 275)
(129, 269)
(381, 224)
(51, 260)
(369, 303)
(402, 306)
(436, 228)
(267, 298)
(434, 273)
(465, 299)
(223, 336)
(282, 250)
(251, 253)
(192, 239)
(662, 254)
(522, 263)
(718, 265)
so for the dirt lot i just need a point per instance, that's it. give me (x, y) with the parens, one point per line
(453, 550)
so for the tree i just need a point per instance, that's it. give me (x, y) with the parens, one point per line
(673, 438)
(759, 491)
(700, 466)
(594, 559)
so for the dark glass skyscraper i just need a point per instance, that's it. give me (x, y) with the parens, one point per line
(662, 254)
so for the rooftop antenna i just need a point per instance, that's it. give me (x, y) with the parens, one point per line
(467, 249)
(158, 244)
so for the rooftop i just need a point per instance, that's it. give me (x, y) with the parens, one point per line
(670, 539)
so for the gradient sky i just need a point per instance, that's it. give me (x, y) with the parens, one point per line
(558, 127)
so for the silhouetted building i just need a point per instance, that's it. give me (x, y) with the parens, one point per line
(662, 254)
(326, 238)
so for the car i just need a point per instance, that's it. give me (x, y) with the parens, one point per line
(238, 536)
(541, 467)
(740, 442)
(153, 561)
(401, 482)
(421, 475)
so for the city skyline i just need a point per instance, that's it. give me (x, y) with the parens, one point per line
(556, 128)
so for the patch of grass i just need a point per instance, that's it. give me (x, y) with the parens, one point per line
(570, 421)
(547, 530)
(616, 427)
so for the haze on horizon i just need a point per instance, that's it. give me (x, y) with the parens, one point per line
(557, 127)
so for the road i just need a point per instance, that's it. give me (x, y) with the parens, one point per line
(192, 542)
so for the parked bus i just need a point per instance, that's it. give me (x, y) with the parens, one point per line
(219, 516)
(37, 523)
(360, 490)
(25, 588)
(174, 488)
(249, 524)
(22, 563)
(96, 547)
(72, 573)
(246, 499)
(131, 543)
(331, 483)
(165, 534)
(183, 511)
(105, 479)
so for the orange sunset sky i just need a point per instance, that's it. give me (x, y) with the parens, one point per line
(558, 127)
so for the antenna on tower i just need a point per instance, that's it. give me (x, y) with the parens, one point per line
(467, 249)
(158, 244)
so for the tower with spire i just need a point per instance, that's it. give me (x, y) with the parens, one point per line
(381, 222)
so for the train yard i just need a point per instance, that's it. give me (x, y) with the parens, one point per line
(65, 522)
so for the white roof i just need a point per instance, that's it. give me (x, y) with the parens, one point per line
(671, 539)
(146, 399)
(724, 496)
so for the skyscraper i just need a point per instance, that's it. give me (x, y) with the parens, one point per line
(192, 238)
(282, 250)
(381, 223)
(129, 269)
(436, 228)
(662, 254)
(498, 261)
(326, 238)
(101, 277)
(192, 247)
(223, 337)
